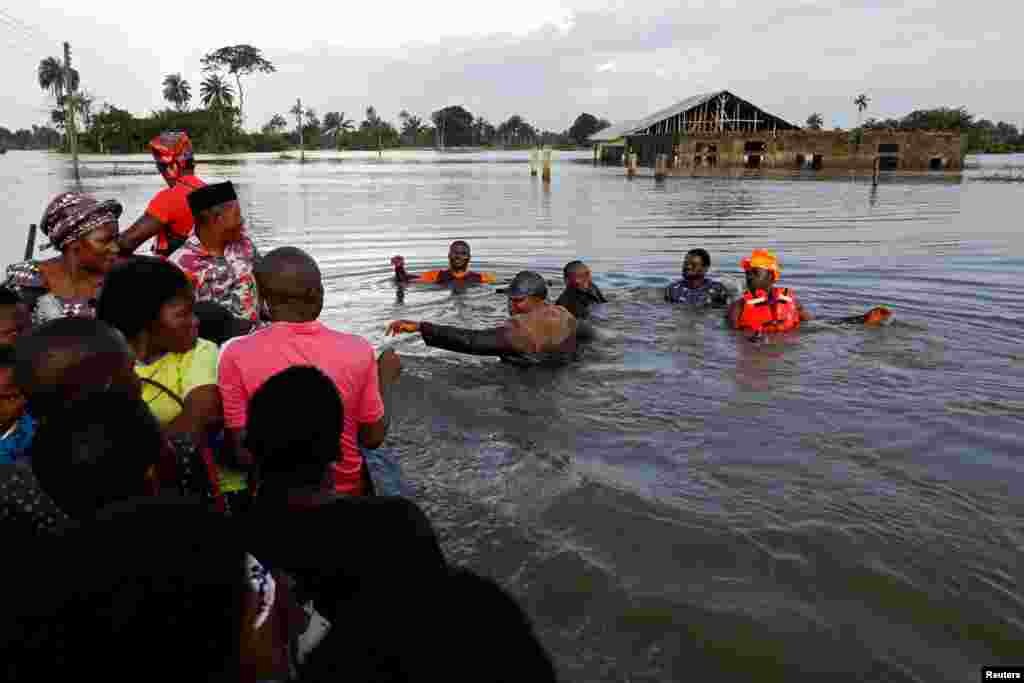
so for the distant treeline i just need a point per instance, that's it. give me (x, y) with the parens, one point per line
(217, 129)
(983, 136)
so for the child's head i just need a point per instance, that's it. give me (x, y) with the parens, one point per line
(577, 275)
(14, 317)
(12, 401)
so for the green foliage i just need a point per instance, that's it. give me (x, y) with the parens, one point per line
(40, 137)
(585, 126)
(454, 126)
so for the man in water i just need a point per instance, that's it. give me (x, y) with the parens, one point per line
(457, 271)
(580, 291)
(765, 307)
(695, 288)
(168, 216)
(538, 333)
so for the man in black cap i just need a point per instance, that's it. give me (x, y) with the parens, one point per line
(219, 257)
(538, 333)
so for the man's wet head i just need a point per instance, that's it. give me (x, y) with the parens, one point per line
(458, 256)
(526, 291)
(577, 275)
(65, 360)
(290, 284)
(695, 266)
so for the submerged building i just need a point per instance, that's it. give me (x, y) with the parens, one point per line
(719, 129)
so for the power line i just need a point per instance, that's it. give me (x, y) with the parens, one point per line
(27, 28)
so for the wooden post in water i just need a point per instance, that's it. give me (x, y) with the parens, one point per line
(534, 161)
(659, 166)
(31, 244)
(876, 171)
(546, 174)
(631, 163)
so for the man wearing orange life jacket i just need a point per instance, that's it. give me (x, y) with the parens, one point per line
(458, 270)
(764, 307)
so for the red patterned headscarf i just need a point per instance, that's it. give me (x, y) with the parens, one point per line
(173, 150)
(72, 215)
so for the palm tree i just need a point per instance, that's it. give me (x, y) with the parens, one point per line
(55, 79)
(177, 91)
(862, 103)
(216, 93)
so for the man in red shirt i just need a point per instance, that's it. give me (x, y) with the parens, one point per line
(292, 289)
(168, 216)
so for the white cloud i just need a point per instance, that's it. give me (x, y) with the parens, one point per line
(791, 57)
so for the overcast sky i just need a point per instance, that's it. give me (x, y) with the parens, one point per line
(547, 60)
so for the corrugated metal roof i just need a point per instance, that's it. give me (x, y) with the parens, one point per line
(631, 127)
(614, 132)
(677, 108)
(686, 105)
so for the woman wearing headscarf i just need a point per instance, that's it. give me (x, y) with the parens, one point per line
(84, 232)
(168, 217)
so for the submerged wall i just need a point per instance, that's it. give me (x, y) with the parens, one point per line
(896, 150)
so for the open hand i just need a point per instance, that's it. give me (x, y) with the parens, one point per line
(877, 315)
(398, 261)
(397, 327)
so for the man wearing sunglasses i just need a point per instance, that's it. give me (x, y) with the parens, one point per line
(457, 271)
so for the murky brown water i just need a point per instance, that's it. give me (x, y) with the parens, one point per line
(845, 501)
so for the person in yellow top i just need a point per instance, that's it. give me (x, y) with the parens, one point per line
(151, 302)
(457, 271)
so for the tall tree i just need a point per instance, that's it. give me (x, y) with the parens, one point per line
(238, 60)
(584, 126)
(815, 121)
(861, 102)
(177, 91)
(217, 96)
(516, 131)
(54, 78)
(454, 126)
(411, 126)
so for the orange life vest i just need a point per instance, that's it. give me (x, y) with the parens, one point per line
(774, 313)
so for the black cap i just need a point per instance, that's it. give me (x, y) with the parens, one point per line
(210, 196)
(528, 283)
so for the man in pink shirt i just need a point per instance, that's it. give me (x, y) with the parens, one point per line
(291, 286)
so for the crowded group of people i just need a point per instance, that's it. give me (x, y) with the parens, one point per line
(184, 449)
(183, 481)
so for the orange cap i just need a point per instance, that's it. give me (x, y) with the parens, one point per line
(762, 258)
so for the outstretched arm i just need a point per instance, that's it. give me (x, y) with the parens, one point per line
(491, 342)
(146, 227)
(400, 273)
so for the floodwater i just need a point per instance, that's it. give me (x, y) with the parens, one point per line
(684, 502)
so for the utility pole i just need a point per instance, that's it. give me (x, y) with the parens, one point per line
(69, 109)
(302, 145)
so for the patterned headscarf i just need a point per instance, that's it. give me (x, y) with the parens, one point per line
(72, 215)
(173, 149)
